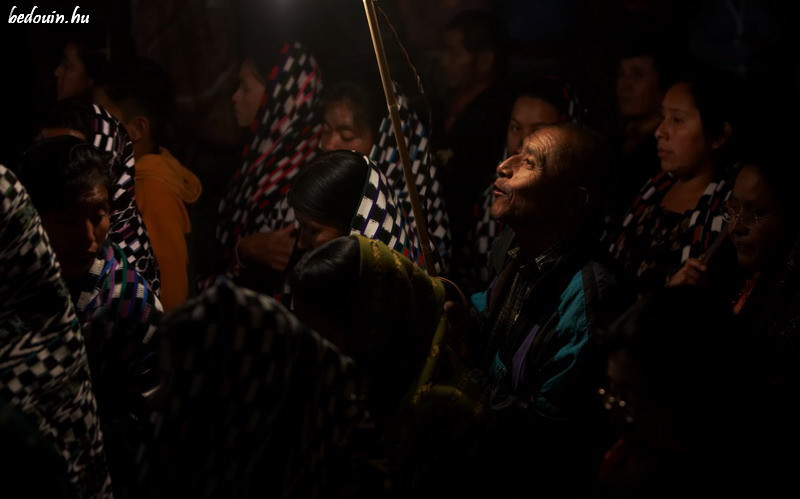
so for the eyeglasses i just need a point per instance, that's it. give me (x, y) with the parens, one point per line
(746, 218)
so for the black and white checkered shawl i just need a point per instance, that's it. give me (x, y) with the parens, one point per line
(254, 403)
(127, 227)
(118, 312)
(43, 363)
(426, 175)
(285, 137)
(381, 217)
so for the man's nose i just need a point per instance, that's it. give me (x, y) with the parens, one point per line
(504, 169)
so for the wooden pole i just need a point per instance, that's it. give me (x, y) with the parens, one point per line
(397, 126)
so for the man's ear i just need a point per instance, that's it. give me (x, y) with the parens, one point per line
(138, 128)
(484, 61)
(723, 138)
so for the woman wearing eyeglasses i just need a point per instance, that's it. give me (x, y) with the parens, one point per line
(761, 224)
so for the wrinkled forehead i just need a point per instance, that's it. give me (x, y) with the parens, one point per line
(543, 143)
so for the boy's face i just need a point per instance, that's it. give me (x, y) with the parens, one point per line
(458, 63)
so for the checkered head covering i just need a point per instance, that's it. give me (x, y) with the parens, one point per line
(381, 217)
(127, 227)
(254, 403)
(43, 364)
(426, 176)
(285, 137)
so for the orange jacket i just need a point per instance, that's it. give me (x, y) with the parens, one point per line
(163, 186)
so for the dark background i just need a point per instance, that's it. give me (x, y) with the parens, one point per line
(201, 42)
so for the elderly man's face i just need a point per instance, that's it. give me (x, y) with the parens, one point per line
(527, 192)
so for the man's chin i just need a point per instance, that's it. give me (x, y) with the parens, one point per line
(498, 211)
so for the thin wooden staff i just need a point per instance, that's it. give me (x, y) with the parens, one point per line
(397, 126)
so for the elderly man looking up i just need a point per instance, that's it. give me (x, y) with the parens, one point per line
(540, 312)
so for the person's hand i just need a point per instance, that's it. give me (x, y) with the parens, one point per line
(693, 273)
(270, 250)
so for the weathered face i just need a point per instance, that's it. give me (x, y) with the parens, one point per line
(527, 193)
(458, 63)
(341, 131)
(248, 95)
(638, 87)
(78, 232)
(527, 115)
(71, 77)
(314, 234)
(682, 146)
(756, 245)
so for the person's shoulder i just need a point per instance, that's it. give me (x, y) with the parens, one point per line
(607, 290)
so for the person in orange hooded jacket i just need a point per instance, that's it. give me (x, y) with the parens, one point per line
(140, 95)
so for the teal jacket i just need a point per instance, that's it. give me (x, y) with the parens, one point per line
(541, 373)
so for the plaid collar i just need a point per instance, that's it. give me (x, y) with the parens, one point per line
(545, 261)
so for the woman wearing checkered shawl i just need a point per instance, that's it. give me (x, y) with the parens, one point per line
(351, 109)
(285, 136)
(343, 192)
(80, 118)
(44, 371)
(253, 404)
(127, 227)
(678, 213)
(69, 184)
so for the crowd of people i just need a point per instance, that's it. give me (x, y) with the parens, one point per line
(608, 311)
